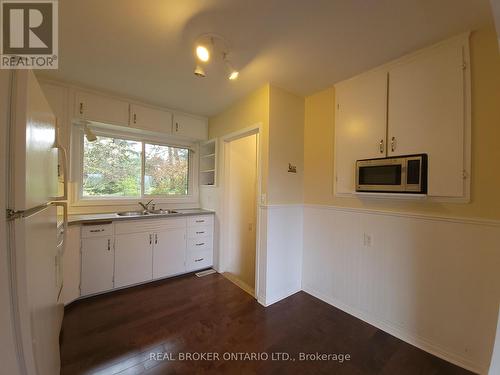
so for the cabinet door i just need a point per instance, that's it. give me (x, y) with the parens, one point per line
(97, 265)
(360, 125)
(133, 258)
(169, 252)
(190, 127)
(427, 114)
(101, 109)
(150, 119)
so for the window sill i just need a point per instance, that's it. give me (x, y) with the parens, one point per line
(131, 201)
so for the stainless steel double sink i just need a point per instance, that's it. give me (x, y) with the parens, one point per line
(147, 213)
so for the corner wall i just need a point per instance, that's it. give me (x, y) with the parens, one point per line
(426, 272)
(281, 116)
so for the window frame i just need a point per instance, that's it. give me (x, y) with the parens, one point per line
(76, 173)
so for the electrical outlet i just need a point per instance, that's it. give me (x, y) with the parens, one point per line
(367, 240)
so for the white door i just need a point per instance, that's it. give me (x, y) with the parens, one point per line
(151, 119)
(32, 139)
(241, 164)
(190, 127)
(101, 109)
(133, 258)
(97, 265)
(169, 252)
(360, 125)
(427, 114)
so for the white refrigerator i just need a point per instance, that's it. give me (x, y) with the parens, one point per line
(32, 224)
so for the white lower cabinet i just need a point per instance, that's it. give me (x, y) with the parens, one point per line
(169, 252)
(133, 258)
(97, 265)
(133, 252)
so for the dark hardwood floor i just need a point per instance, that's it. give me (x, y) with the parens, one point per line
(117, 333)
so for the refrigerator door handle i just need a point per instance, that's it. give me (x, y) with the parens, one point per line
(64, 205)
(61, 148)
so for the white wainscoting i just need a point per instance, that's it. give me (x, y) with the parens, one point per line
(433, 282)
(281, 246)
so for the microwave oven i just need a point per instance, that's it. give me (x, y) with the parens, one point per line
(398, 174)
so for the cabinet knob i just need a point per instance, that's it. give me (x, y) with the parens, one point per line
(176, 126)
(109, 244)
(150, 239)
(81, 108)
(135, 118)
(156, 239)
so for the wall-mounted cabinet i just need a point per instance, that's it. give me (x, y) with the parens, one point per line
(418, 104)
(150, 119)
(190, 127)
(100, 108)
(208, 163)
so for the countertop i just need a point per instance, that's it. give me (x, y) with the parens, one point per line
(81, 219)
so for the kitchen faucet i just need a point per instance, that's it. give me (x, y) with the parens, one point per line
(146, 206)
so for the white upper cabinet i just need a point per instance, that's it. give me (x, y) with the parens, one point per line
(418, 104)
(150, 119)
(190, 127)
(427, 114)
(101, 108)
(360, 125)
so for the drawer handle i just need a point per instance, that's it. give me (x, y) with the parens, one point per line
(199, 259)
(200, 232)
(109, 244)
(200, 221)
(200, 244)
(96, 230)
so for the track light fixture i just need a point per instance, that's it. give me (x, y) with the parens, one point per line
(213, 44)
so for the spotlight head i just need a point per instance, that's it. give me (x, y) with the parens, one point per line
(199, 71)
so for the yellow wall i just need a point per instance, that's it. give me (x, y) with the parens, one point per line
(485, 198)
(281, 115)
(249, 111)
(286, 145)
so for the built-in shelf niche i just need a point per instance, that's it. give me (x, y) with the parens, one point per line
(208, 163)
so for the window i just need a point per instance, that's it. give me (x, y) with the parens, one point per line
(121, 168)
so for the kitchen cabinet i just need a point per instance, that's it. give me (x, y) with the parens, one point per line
(97, 265)
(127, 252)
(418, 104)
(100, 108)
(427, 114)
(169, 250)
(360, 127)
(133, 258)
(190, 127)
(150, 119)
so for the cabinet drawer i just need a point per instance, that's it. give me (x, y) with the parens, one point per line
(98, 230)
(203, 243)
(200, 220)
(199, 231)
(196, 260)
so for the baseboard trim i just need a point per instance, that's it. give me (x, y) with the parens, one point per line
(398, 332)
(282, 297)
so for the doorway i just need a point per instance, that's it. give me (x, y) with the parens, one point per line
(240, 196)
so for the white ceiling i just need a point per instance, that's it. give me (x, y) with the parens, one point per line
(144, 49)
